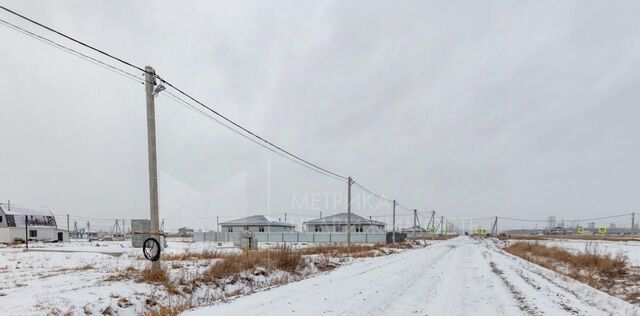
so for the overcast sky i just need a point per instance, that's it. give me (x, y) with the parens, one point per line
(471, 108)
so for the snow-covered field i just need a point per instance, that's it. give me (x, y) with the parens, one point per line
(50, 279)
(77, 277)
(462, 276)
(629, 248)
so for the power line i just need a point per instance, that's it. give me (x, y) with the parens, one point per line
(370, 192)
(250, 132)
(181, 92)
(278, 150)
(73, 39)
(566, 220)
(74, 52)
(193, 107)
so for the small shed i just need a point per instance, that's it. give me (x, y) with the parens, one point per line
(338, 223)
(185, 232)
(256, 224)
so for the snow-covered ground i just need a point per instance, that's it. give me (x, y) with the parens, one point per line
(82, 277)
(462, 276)
(629, 248)
(71, 276)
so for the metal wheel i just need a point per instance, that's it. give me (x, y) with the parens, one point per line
(151, 249)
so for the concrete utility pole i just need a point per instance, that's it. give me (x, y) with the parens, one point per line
(349, 181)
(26, 231)
(494, 228)
(217, 225)
(285, 217)
(433, 222)
(68, 223)
(415, 218)
(393, 235)
(441, 224)
(149, 85)
(633, 222)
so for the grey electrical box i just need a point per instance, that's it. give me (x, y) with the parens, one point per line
(141, 230)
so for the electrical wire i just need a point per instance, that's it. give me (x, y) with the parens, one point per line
(566, 220)
(284, 151)
(74, 52)
(372, 193)
(278, 150)
(193, 107)
(250, 132)
(73, 39)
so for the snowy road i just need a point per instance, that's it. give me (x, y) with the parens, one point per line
(456, 277)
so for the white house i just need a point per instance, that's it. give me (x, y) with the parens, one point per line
(256, 223)
(338, 223)
(40, 222)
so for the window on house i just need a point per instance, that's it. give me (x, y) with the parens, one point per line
(230, 229)
(338, 228)
(0, 219)
(318, 228)
(261, 229)
(33, 233)
(359, 229)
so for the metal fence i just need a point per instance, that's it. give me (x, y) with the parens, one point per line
(307, 237)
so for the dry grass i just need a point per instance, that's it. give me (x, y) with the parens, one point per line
(601, 271)
(588, 265)
(358, 250)
(570, 237)
(128, 273)
(219, 269)
(171, 309)
(188, 255)
(283, 259)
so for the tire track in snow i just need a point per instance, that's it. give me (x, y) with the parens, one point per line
(523, 304)
(566, 300)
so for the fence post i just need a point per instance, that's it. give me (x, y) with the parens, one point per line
(282, 236)
(366, 238)
(297, 237)
(313, 236)
(330, 239)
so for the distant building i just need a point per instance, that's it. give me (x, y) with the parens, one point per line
(557, 231)
(338, 223)
(185, 231)
(256, 224)
(414, 229)
(612, 226)
(40, 222)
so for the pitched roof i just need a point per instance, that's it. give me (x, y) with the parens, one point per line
(256, 220)
(341, 218)
(18, 209)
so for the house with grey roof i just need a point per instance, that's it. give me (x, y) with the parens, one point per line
(338, 223)
(257, 224)
(39, 221)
